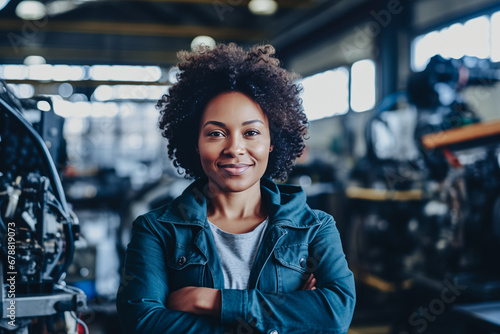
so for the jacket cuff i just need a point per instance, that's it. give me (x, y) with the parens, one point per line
(234, 304)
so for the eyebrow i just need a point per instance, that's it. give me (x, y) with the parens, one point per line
(221, 124)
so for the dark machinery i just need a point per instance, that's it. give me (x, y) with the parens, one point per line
(426, 208)
(37, 229)
(461, 155)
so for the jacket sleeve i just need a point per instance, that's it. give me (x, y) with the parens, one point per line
(327, 309)
(144, 289)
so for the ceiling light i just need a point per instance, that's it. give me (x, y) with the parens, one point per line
(41, 72)
(103, 93)
(3, 3)
(15, 72)
(43, 106)
(31, 10)
(67, 72)
(65, 90)
(202, 40)
(34, 60)
(263, 7)
(125, 73)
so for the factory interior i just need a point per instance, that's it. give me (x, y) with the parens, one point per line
(403, 148)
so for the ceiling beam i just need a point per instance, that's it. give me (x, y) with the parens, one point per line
(301, 4)
(137, 29)
(82, 56)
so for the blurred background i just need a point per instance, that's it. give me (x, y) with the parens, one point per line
(404, 147)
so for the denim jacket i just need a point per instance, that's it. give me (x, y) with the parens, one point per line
(172, 247)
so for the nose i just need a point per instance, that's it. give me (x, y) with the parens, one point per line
(235, 146)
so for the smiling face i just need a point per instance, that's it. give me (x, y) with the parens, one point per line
(234, 142)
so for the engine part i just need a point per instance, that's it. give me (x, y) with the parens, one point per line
(37, 229)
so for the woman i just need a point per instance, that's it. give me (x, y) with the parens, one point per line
(235, 253)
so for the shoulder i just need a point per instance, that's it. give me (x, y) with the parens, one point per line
(326, 222)
(153, 215)
(322, 216)
(149, 220)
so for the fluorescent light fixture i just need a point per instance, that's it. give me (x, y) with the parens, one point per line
(202, 40)
(40, 72)
(31, 10)
(22, 91)
(68, 73)
(83, 109)
(263, 7)
(128, 92)
(15, 72)
(103, 93)
(125, 73)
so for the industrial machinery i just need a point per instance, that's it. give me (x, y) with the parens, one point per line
(426, 194)
(37, 228)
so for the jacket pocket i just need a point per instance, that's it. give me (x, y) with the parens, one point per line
(291, 266)
(186, 267)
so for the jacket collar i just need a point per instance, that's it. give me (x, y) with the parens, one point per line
(286, 205)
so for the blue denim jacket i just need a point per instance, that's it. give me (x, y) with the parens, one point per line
(172, 247)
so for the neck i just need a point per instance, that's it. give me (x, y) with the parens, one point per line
(237, 205)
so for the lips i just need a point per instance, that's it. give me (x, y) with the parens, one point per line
(235, 169)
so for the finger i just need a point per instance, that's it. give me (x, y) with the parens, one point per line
(312, 284)
(304, 286)
(307, 282)
(310, 278)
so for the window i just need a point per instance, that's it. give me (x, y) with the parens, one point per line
(326, 94)
(363, 85)
(477, 37)
(495, 37)
(335, 92)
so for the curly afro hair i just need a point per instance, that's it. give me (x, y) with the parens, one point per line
(206, 73)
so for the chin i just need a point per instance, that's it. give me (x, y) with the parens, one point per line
(236, 183)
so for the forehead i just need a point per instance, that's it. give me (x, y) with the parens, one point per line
(232, 106)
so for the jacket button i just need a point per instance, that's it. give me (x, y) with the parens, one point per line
(303, 262)
(274, 331)
(181, 260)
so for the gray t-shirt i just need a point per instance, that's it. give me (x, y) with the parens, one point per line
(237, 253)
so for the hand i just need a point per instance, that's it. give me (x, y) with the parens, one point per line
(196, 300)
(310, 283)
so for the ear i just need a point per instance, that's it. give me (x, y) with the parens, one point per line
(197, 150)
(271, 148)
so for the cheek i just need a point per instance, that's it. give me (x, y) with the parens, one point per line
(203, 150)
(261, 152)
(207, 153)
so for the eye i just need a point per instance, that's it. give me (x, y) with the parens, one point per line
(252, 133)
(215, 134)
